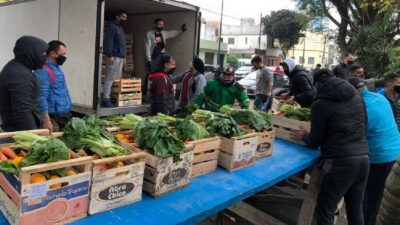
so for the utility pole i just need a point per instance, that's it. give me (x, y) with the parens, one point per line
(259, 38)
(304, 49)
(219, 59)
(323, 53)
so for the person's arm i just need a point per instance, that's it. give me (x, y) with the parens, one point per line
(243, 99)
(201, 99)
(22, 104)
(306, 91)
(178, 78)
(45, 87)
(319, 118)
(270, 79)
(172, 33)
(108, 42)
(201, 83)
(147, 46)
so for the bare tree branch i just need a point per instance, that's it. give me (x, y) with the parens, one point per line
(326, 12)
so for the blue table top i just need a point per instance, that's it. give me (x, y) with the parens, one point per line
(210, 193)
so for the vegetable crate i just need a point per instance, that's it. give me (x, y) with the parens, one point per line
(163, 175)
(119, 186)
(284, 127)
(265, 143)
(276, 105)
(129, 99)
(127, 86)
(238, 152)
(205, 158)
(56, 201)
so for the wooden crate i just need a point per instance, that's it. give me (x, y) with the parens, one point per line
(276, 105)
(163, 175)
(205, 158)
(128, 103)
(23, 203)
(265, 143)
(128, 38)
(128, 67)
(238, 152)
(127, 96)
(284, 127)
(117, 186)
(127, 85)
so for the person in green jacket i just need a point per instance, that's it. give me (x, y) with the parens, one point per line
(222, 91)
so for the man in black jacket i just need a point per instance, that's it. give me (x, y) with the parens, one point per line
(342, 69)
(19, 87)
(300, 82)
(338, 119)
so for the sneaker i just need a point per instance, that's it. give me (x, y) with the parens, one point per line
(107, 103)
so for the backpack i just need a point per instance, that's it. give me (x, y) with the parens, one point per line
(51, 72)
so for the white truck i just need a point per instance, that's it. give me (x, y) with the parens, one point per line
(79, 24)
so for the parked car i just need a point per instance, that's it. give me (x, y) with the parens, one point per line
(243, 71)
(249, 82)
(209, 72)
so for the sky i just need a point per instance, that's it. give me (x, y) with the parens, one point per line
(236, 9)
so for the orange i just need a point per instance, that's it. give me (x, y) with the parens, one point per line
(119, 164)
(17, 160)
(37, 177)
(120, 136)
(55, 186)
(70, 172)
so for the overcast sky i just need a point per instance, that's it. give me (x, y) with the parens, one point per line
(236, 9)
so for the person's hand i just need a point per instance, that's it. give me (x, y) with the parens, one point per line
(284, 96)
(298, 135)
(110, 61)
(183, 27)
(48, 125)
(290, 101)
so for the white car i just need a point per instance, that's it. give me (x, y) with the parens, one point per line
(249, 82)
(243, 71)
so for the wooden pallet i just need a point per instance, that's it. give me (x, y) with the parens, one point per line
(238, 152)
(265, 143)
(284, 127)
(127, 85)
(17, 193)
(206, 152)
(163, 175)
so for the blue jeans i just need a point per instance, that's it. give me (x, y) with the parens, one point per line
(261, 102)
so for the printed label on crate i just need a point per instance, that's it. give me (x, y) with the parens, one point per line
(244, 158)
(263, 147)
(7, 211)
(67, 192)
(116, 191)
(175, 176)
(38, 191)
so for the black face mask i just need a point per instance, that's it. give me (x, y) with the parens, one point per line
(171, 71)
(350, 63)
(397, 89)
(61, 59)
(159, 29)
(122, 22)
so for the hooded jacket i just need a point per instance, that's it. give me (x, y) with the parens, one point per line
(19, 87)
(338, 120)
(300, 83)
(161, 94)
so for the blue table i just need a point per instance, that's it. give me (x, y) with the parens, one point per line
(208, 194)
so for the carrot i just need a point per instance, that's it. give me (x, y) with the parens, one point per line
(22, 153)
(8, 152)
(82, 152)
(3, 158)
(104, 167)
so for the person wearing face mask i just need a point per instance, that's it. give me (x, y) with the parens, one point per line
(55, 101)
(114, 51)
(342, 69)
(338, 127)
(300, 84)
(356, 70)
(384, 146)
(392, 94)
(193, 82)
(220, 92)
(161, 89)
(19, 87)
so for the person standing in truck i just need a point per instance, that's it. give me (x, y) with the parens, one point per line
(155, 44)
(114, 49)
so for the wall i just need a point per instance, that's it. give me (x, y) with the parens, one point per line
(240, 41)
(207, 46)
(38, 18)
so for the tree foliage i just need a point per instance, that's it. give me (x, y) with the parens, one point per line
(285, 25)
(233, 61)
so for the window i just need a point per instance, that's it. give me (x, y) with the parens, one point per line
(209, 58)
(231, 41)
(245, 41)
(301, 60)
(310, 60)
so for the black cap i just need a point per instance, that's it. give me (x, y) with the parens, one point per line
(357, 82)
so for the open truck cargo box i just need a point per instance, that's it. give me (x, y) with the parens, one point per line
(81, 26)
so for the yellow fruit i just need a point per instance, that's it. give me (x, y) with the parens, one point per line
(70, 172)
(37, 177)
(54, 186)
(17, 160)
(119, 164)
(120, 136)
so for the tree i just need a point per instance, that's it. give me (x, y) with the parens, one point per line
(233, 61)
(284, 25)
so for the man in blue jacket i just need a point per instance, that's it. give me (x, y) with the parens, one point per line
(55, 101)
(384, 147)
(114, 49)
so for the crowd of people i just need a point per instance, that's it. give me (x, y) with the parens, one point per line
(355, 121)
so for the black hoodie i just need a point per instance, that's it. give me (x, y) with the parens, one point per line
(338, 119)
(19, 87)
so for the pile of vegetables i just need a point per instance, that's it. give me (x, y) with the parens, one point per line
(302, 114)
(33, 149)
(218, 123)
(256, 120)
(90, 134)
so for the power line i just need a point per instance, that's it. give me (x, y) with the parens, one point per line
(219, 13)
